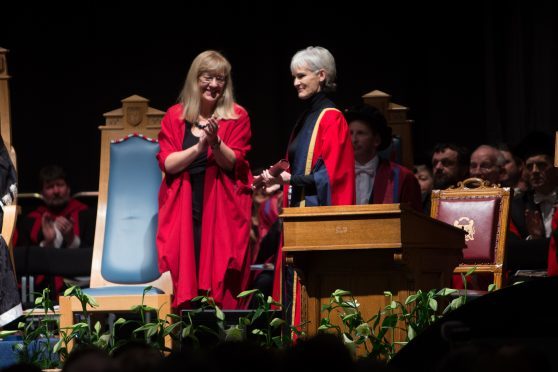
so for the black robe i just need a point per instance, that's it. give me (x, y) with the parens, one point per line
(10, 303)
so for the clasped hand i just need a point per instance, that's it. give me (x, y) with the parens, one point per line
(272, 183)
(63, 224)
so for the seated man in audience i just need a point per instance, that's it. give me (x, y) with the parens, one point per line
(531, 212)
(378, 181)
(450, 164)
(513, 167)
(487, 163)
(60, 223)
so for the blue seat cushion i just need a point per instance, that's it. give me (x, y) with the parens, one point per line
(120, 291)
(129, 252)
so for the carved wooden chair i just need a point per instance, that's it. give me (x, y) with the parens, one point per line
(483, 211)
(124, 252)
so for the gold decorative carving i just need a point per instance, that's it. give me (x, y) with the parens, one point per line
(466, 224)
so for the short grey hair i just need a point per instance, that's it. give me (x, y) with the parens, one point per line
(317, 58)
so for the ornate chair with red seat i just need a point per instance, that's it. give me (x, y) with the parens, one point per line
(483, 211)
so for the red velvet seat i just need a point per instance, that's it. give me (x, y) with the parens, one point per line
(483, 211)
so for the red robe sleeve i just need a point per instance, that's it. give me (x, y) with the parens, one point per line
(334, 146)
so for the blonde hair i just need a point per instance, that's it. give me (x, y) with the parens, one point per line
(211, 62)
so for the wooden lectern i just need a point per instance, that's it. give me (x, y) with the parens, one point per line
(367, 249)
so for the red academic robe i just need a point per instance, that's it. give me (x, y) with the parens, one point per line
(71, 211)
(334, 147)
(552, 252)
(395, 184)
(224, 263)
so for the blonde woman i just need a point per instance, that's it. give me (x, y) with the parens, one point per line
(205, 200)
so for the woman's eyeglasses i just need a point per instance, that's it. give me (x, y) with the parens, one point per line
(207, 79)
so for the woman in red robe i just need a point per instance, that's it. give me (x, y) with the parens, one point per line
(205, 198)
(321, 158)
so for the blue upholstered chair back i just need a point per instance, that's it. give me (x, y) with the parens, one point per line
(129, 252)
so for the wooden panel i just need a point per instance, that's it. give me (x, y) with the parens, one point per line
(362, 227)
(396, 117)
(367, 249)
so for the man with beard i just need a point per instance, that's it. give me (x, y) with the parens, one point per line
(57, 223)
(60, 223)
(450, 164)
(531, 212)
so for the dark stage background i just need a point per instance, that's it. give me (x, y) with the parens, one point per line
(470, 72)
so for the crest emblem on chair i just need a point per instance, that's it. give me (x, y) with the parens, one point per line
(134, 115)
(466, 224)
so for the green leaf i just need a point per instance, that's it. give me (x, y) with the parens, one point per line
(145, 327)
(38, 300)
(340, 292)
(175, 317)
(197, 298)
(471, 270)
(389, 321)
(58, 346)
(234, 333)
(276, 322)
(258, 332)
(186, 331)
(324, 327)
(247, 293)
(363, 330)
(98, 327)
(411, 333)
(69, 291)
(244, 321)
(219, 313)
(433, 304)
(388, 294)
(153, 330)
(147, 289)
(91, 301)
(120, 321)
(492, 287)
(7, 333)
(348, 317)
(446, 291)
(411, 299)
(170, 328)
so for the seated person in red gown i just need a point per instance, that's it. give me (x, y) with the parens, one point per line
(377, 180)
(62, 222)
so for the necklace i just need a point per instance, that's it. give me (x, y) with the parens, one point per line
(200, 126)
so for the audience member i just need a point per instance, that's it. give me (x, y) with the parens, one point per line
(62, 222)
(487, 163)
(450, 164)
(513, 170)
(423, 174)
(377, 180)
(531, 212)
